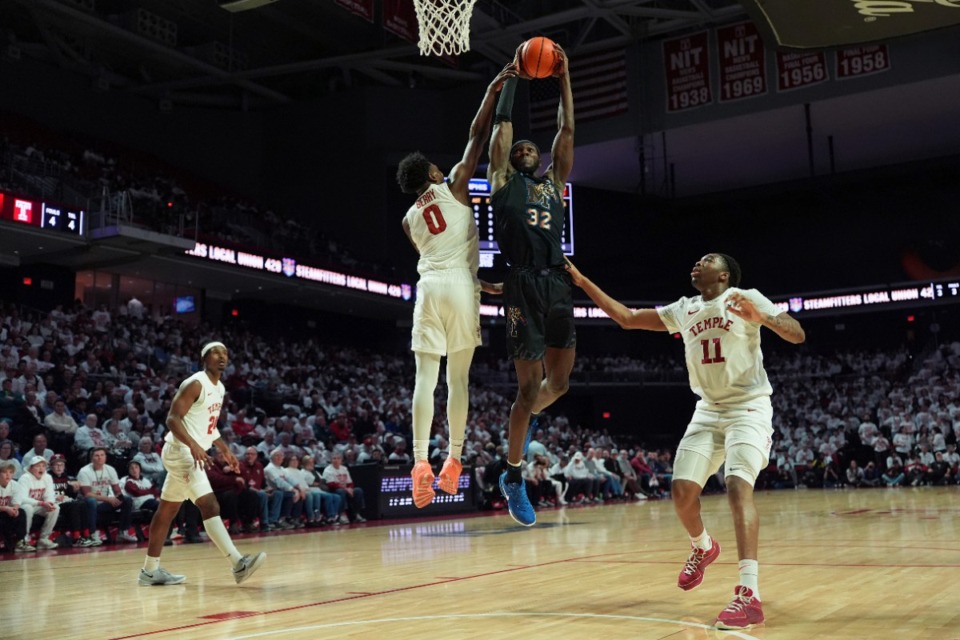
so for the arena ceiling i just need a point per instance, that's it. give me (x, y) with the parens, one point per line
(195, 51)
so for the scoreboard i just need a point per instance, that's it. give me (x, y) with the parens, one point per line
(483, 215)
(42, 215)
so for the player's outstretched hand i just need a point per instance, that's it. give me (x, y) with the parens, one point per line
(509, 71)
(741, 306)
(575, 274)
(563, 66)
(495, 288)
(516, 63)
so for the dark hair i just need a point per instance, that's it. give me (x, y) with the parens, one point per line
(413, 172)
(733, 268)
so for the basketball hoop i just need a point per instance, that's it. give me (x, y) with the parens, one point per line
(444, 26)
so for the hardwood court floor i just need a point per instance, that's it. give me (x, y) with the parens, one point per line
(872, 564)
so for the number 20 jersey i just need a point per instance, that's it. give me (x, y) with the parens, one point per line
(722, 350)
(444, 231)
(529, 215)
(201, 420)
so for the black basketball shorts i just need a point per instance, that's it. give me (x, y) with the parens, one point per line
(538, 309)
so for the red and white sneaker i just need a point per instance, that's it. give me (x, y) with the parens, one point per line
(743, 612)
(700, 559)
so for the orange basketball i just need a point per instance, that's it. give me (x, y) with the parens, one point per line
(538, 57)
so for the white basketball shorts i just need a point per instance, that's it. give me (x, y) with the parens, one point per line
(740, 435)
(446, 317)
(184, 481)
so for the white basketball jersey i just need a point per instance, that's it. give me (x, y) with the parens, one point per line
(722, 350)
(444, 231)
(201, 420)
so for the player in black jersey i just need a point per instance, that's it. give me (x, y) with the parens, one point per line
(528, 214)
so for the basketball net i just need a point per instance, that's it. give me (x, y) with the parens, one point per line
(444, 26)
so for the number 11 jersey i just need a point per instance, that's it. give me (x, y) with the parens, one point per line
(723, 353)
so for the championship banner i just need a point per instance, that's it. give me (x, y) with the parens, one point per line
(799, 70)
(362, 8)
(400, 19)
(830, 23)
(857, 62)
(743, 71)
(686, 66)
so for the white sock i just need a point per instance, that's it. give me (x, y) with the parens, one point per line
(218, 534)
(456, 449)
(750, 575)
(420, 449)
(702, 541)
(151, 564)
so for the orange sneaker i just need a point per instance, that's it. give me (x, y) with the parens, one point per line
(423, 478)
(450, 475)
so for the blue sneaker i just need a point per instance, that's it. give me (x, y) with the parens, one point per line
(517, 501)
(530, 429)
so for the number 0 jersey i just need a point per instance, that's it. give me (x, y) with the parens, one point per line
(201, 420)
(528, 214)
(722, 350)
(444, 230)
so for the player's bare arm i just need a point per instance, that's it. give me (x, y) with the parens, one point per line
(562, 151)
(499, 169)
(479, 131)
(494, 288)
(182, 402)
(627, 318)
(406, 230)
(783, 324)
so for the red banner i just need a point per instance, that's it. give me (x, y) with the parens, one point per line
(400, 18)
(862, 61)
(362, 8)
(742, 57)
(799, 70)
(686, 67)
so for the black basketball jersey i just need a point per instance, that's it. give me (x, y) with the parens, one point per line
(528, 214)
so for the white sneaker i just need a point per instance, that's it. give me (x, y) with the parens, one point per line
(247, 565)
(46, 543)
(126, 536)
(159, 578)
(344, 519)
(23, 546)
(96, 539)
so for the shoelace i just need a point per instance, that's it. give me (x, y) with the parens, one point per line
(738, 603)
(696, 556)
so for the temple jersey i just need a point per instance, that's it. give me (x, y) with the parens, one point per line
(722, 350)
(444, 230)
(201, 420)
(528, 217)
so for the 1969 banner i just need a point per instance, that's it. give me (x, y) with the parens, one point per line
(742, 62)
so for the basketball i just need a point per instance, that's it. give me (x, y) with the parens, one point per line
(538, 57)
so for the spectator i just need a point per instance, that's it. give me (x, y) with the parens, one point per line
(270, 503)
(583, 487)
(79, 513)
(8, 454)
(278, 480)
(855, 476)
(61, 424)
(39, 448)
(150, 462)
(232, 493)
(13, 519)
(88, 437)
(330, 502)
(141, 491)
(38, 498)
(338, 479)
(101, 482)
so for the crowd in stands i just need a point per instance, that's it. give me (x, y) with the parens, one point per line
(84, 394)
(156, 199)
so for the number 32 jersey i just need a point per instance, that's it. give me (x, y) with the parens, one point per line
(528, 214)
(723, 353)
(201, 420)
(444, 231)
